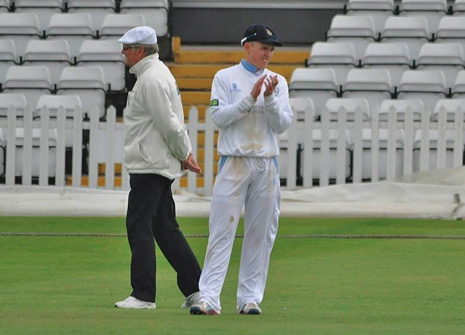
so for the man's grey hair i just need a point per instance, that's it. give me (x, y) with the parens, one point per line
(149, 49)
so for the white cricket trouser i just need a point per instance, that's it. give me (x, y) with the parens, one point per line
(255, 183)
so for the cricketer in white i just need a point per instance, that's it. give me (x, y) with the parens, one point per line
(250, 106)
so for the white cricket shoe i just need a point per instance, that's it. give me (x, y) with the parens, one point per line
(250, 308)
(203, 308)
(191, 300)
(131, 302)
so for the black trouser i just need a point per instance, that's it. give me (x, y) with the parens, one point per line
(151, 214)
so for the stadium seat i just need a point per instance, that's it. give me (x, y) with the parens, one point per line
(451, 30)
(371, 84)
(75, 28)
(2, 153)
(155, 13)
(4, 6)
(317, 84)
(458, 90)
(351, 106)
(359, 30)
(7, 57)
(411, 30)
(17, 100)
(54, 54)
(35, 159)
(401, 108)
(429, 86)
(447, 57)
(43, 8)
(32, 81)
(459, 8)
(394, 57)
(451, 106)
(379, 10)
(97, 9)
(432, 10)
(54, 103)
(338, 56)
(115, 25)
(106, 54)
(86, 82)
(21, 28)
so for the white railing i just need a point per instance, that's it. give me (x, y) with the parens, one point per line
(341, 148)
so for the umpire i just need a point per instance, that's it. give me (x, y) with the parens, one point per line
(156, 151)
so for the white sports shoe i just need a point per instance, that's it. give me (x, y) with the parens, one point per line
(250, 308)
(203, 308)
(192, 299)
(131, 302)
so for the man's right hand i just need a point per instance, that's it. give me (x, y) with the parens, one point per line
(190, 164)
(257, 87)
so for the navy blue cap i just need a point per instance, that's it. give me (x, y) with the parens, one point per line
(260, 33)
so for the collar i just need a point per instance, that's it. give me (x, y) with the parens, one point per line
(249, 67)
(143, 64)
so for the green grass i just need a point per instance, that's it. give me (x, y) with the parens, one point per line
(67, 285)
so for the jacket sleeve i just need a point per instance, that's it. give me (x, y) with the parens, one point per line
(172, 130)
(279, 111)
(223, 111)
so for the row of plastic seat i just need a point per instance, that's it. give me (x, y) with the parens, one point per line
(22, 27)
(34, 82)
(448, 57)
(432, 10)
(361, 31)
(374, 85)
(155, 11)
(56, 55)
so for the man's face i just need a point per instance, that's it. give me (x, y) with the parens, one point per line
(259, 54)
(132, 54)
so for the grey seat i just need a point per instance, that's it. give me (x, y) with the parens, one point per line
(7, 57)
(155, 13)
(43, 8)
(21, 28)
(97, 9)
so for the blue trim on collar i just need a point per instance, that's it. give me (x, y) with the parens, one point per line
(249, 67)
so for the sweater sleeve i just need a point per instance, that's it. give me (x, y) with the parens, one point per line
(222, 111)
(160, 108)
(279, 111)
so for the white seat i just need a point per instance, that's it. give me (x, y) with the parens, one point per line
(32, 81)
(115, 25)
(35, 159)
(75, 28)
(43, 8)
(55, 54)
(401, 108)
(411, 30)
(317, 84)
(21, 28)
(429, 86)
(450, 106)
(86, 82)
(97, 9)
(451, 30)
(379, 10)
(432, 10)
(17, 100)
(358, 30)
(448, 58)
(459, 8)
(4, 6)
(338, 56)
(155, 13)
(458, 90)
(371, 84)
(394, 57)
(7, 57)
(106, 54)
(56, 103)
(351, 106)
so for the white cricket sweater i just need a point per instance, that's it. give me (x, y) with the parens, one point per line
(248, 127)
(156, 139)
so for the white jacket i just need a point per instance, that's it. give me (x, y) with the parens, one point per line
(248, 127)
(156, 139)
